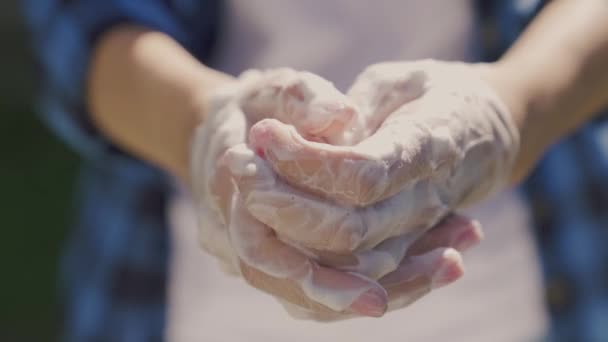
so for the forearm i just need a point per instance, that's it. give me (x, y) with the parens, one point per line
(555, 78)
(147, 94)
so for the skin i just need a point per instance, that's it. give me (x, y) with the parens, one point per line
(147, 94)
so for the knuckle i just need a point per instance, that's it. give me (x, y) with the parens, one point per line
(371, 184)
(349, 235)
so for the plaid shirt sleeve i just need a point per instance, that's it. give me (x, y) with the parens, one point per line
(64, 34)
(115, 266)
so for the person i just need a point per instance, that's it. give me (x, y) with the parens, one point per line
(149, 100)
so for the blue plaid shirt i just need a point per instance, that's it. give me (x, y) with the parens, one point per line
(115, 268)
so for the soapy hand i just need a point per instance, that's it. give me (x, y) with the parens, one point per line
(264, 256)
(436, 138)
(429, 138)
(227, 229)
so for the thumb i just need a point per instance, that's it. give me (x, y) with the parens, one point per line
(311, 104)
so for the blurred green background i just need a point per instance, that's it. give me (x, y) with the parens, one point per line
(36, 182)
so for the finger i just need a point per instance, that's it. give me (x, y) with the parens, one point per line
(373, 263)
(418, 275)
(282, 270)
(302, 99)
(369, 304)
(298, 312)
(322, 225)
(396, 156)
(455, 231)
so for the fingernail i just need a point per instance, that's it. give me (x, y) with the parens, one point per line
(261, 134)
(260, 152)
(371, 303)
(450, 270)
(469, 237)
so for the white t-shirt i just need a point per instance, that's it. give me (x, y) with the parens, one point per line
(498, 299)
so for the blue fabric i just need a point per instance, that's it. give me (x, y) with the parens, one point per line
(116, 265)
(569, 196)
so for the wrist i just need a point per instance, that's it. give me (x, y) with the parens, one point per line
(522, 100)
(196, 110)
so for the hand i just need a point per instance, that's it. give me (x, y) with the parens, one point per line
(230, 232)
(432, 264)
(438, 138)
